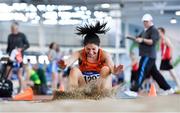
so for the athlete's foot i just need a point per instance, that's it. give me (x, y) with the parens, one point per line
(61, 88)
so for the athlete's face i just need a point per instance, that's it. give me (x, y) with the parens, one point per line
(91, 50)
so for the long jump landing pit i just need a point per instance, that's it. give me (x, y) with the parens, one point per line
(169, 103)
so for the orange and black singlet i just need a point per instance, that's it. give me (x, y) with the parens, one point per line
(86, 66)
(91, 71)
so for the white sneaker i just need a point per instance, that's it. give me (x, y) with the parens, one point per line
(168, 92)
(126, 94)
(131, 93)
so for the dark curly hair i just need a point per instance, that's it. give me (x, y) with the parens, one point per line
(91, 31)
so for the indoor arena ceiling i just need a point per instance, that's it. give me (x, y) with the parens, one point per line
(131, 9)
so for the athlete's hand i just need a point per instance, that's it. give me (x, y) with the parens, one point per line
(118, 69)
(61, 64)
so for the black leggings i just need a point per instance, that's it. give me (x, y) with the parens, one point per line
(148, 67)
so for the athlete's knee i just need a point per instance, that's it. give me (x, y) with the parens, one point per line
(74, 70)
(105, 71)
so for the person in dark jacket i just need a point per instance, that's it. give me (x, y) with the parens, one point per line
(147, 41)
(16, 45)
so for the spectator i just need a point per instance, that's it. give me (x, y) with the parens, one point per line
(18, 42)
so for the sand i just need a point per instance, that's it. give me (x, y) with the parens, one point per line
(156, 104)
(93, 102)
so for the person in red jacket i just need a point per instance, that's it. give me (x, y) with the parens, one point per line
(166, 55)
(94, 62)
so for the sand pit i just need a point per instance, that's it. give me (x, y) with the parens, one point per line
(85, 101)
(148, 104)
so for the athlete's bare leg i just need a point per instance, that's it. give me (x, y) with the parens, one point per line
(75, 78)
(104, 81)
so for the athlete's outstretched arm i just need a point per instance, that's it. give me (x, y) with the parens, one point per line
(68, 62)
(114, 69)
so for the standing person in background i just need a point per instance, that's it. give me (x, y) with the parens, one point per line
(16, 40)
(166, 55)
(52, 56)
(147, 41)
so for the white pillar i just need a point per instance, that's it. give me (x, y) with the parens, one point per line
(126, 34)
(41, 37)
(118, 32)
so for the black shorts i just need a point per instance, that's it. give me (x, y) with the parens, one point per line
(13, 64)
(166, 65)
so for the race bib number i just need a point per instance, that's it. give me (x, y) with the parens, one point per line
(89, 76)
